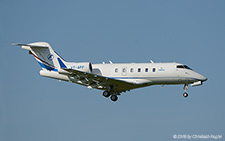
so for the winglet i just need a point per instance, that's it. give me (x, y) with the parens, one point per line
(62, 65)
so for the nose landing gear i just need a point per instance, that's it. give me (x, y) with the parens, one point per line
(185, 90)
(185, 94)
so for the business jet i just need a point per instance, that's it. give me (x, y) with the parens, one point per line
(112, 78)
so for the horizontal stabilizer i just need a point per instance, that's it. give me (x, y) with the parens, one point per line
(30, 45)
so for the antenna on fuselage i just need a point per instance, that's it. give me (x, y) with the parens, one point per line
(151, 61)
(110, 62)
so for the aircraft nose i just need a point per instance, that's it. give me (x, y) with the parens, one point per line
(203, 78)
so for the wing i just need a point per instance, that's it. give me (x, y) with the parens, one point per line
(99, 82)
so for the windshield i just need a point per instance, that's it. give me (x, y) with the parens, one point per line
(183, 67)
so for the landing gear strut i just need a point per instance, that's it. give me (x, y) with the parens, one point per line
(185, 90)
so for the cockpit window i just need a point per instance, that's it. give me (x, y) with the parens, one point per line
(183, 67)
(186, 67)
(180, 66)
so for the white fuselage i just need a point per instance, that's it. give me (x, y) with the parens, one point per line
(149, 73)
(139, 74)
(112, 78)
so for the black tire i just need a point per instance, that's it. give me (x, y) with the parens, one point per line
(185, 95)
(106, 94)
(114, 98)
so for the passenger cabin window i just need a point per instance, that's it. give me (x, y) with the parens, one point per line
(124, 70)
(153, 70)
(116, 70)
(139, 69)
(131, 70)
(146, 69)
(183, 67)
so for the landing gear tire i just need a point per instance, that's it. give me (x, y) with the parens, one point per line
(185, 95)
(106, 94)
(114, 98)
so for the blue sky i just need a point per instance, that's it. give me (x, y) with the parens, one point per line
(186, 31)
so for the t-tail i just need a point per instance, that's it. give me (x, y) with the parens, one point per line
(45, 55)
(49, 60)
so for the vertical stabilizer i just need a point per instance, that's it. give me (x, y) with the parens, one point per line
(45, 55)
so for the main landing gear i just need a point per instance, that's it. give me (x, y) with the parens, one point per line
(106, 94)
(113, 96)
(185, 90)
